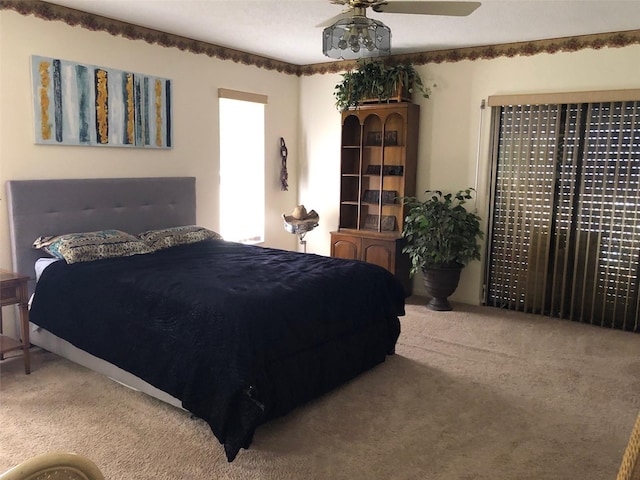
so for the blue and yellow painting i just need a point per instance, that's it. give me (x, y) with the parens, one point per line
(77, 104)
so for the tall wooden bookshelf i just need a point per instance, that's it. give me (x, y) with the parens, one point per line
(378, 159)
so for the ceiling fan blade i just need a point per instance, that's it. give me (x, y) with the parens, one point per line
(457, 9)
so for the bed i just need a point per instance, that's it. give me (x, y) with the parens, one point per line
(235, 334)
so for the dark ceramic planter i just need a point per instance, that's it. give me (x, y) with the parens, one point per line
(440, 283)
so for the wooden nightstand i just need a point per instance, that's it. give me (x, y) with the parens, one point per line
(14, 290)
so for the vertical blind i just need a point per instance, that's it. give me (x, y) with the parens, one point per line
(565, 230)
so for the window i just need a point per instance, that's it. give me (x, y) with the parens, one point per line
(565, 234)
(242, 164)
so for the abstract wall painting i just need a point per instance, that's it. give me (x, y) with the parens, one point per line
(78, 104)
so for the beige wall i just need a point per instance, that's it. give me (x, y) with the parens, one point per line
(300, 109)
(195, 78)
(451, 139)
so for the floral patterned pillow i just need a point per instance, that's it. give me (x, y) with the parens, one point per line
(170, 237)
(88, 246)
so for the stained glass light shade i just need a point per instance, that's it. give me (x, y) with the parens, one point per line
(356, 37)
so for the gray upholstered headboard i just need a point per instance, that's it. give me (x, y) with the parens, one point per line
(55, 207)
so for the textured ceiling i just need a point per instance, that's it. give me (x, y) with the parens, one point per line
(287, 30)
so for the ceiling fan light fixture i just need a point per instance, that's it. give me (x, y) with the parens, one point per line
(356, 37)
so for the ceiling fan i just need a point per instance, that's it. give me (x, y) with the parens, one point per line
(351, 34)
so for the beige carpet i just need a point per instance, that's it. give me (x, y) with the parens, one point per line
(477, 393)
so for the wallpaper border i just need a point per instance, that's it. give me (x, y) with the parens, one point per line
(48, 11)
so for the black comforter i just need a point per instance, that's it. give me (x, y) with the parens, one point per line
(239, 334)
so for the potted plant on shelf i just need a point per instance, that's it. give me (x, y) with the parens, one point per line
(441, 238)
(378, 81)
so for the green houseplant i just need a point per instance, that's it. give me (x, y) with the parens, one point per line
(377, 80)
(441, 238)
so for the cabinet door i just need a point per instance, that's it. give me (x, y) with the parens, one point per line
(344, 246)
(379, 252)
(350, 172)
